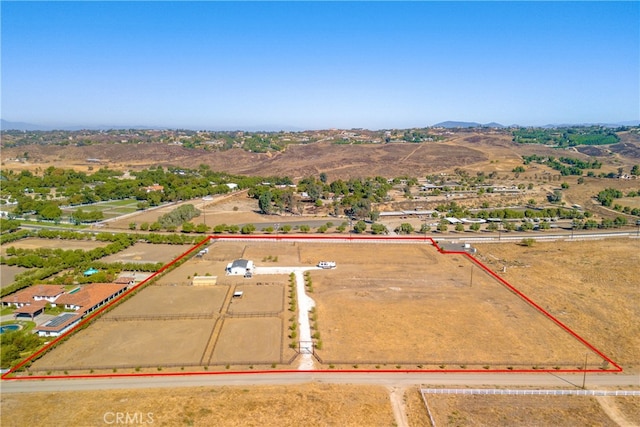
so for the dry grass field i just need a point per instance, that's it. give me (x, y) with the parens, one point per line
(591, 286)
(133, 343)
(37, 243)
(427, 309)
(517, 411)
(147, 252)
(8, 274)
(252, 340)
(277, 406)
(172, 300)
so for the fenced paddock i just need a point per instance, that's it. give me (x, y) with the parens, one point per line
(131, 343)
(249, 340)
(173, 300)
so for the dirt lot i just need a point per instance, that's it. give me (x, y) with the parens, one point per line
(249, 340)
(36, 243)
(277, 406)
(132, 343)
(480, 410)
(258, 299)
(591, 286)
(8, 274)
(173, 300)
(147, 252)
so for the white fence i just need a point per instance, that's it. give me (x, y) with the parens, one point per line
(530, 392)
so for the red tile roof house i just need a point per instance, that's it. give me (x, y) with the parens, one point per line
(31, 301)
(85, 301)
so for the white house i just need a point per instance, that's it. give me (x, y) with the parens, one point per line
(239, 267)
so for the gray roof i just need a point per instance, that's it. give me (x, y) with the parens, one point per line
(242, 263)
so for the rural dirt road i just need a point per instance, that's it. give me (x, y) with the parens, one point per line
(286, 378)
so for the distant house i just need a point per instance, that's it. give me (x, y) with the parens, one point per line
(154, 187)
(240, 267)
(125, 280)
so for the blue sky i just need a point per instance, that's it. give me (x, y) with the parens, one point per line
(219, 65)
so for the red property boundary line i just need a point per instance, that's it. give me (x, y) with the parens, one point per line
(343, 239)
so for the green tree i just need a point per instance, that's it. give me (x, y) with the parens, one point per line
(188, 227)
(459, 227)
(248, 229)
(264, 202)
(360, 227)
(404, 228)
(379, 229)
(50, 212)
(202, 228)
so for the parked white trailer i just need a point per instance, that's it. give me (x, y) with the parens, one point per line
(327, 264)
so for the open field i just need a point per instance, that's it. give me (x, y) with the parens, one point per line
(132, 343)
(147, 252)
(249, 341)
(277, 406)
(590, 286)
(428, 309)
(268, 298)
(8, 274)
(172, 300)
(503, 410)
(37, 243)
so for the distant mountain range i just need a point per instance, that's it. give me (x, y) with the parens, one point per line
(23, 126)
(451, 124)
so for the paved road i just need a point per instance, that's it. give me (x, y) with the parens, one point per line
(290, 378)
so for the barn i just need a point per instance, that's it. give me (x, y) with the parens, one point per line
(240, 267)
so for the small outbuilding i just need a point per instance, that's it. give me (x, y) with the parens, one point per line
(240, 267)
(204, 280)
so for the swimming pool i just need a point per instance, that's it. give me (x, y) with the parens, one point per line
(8, 328)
